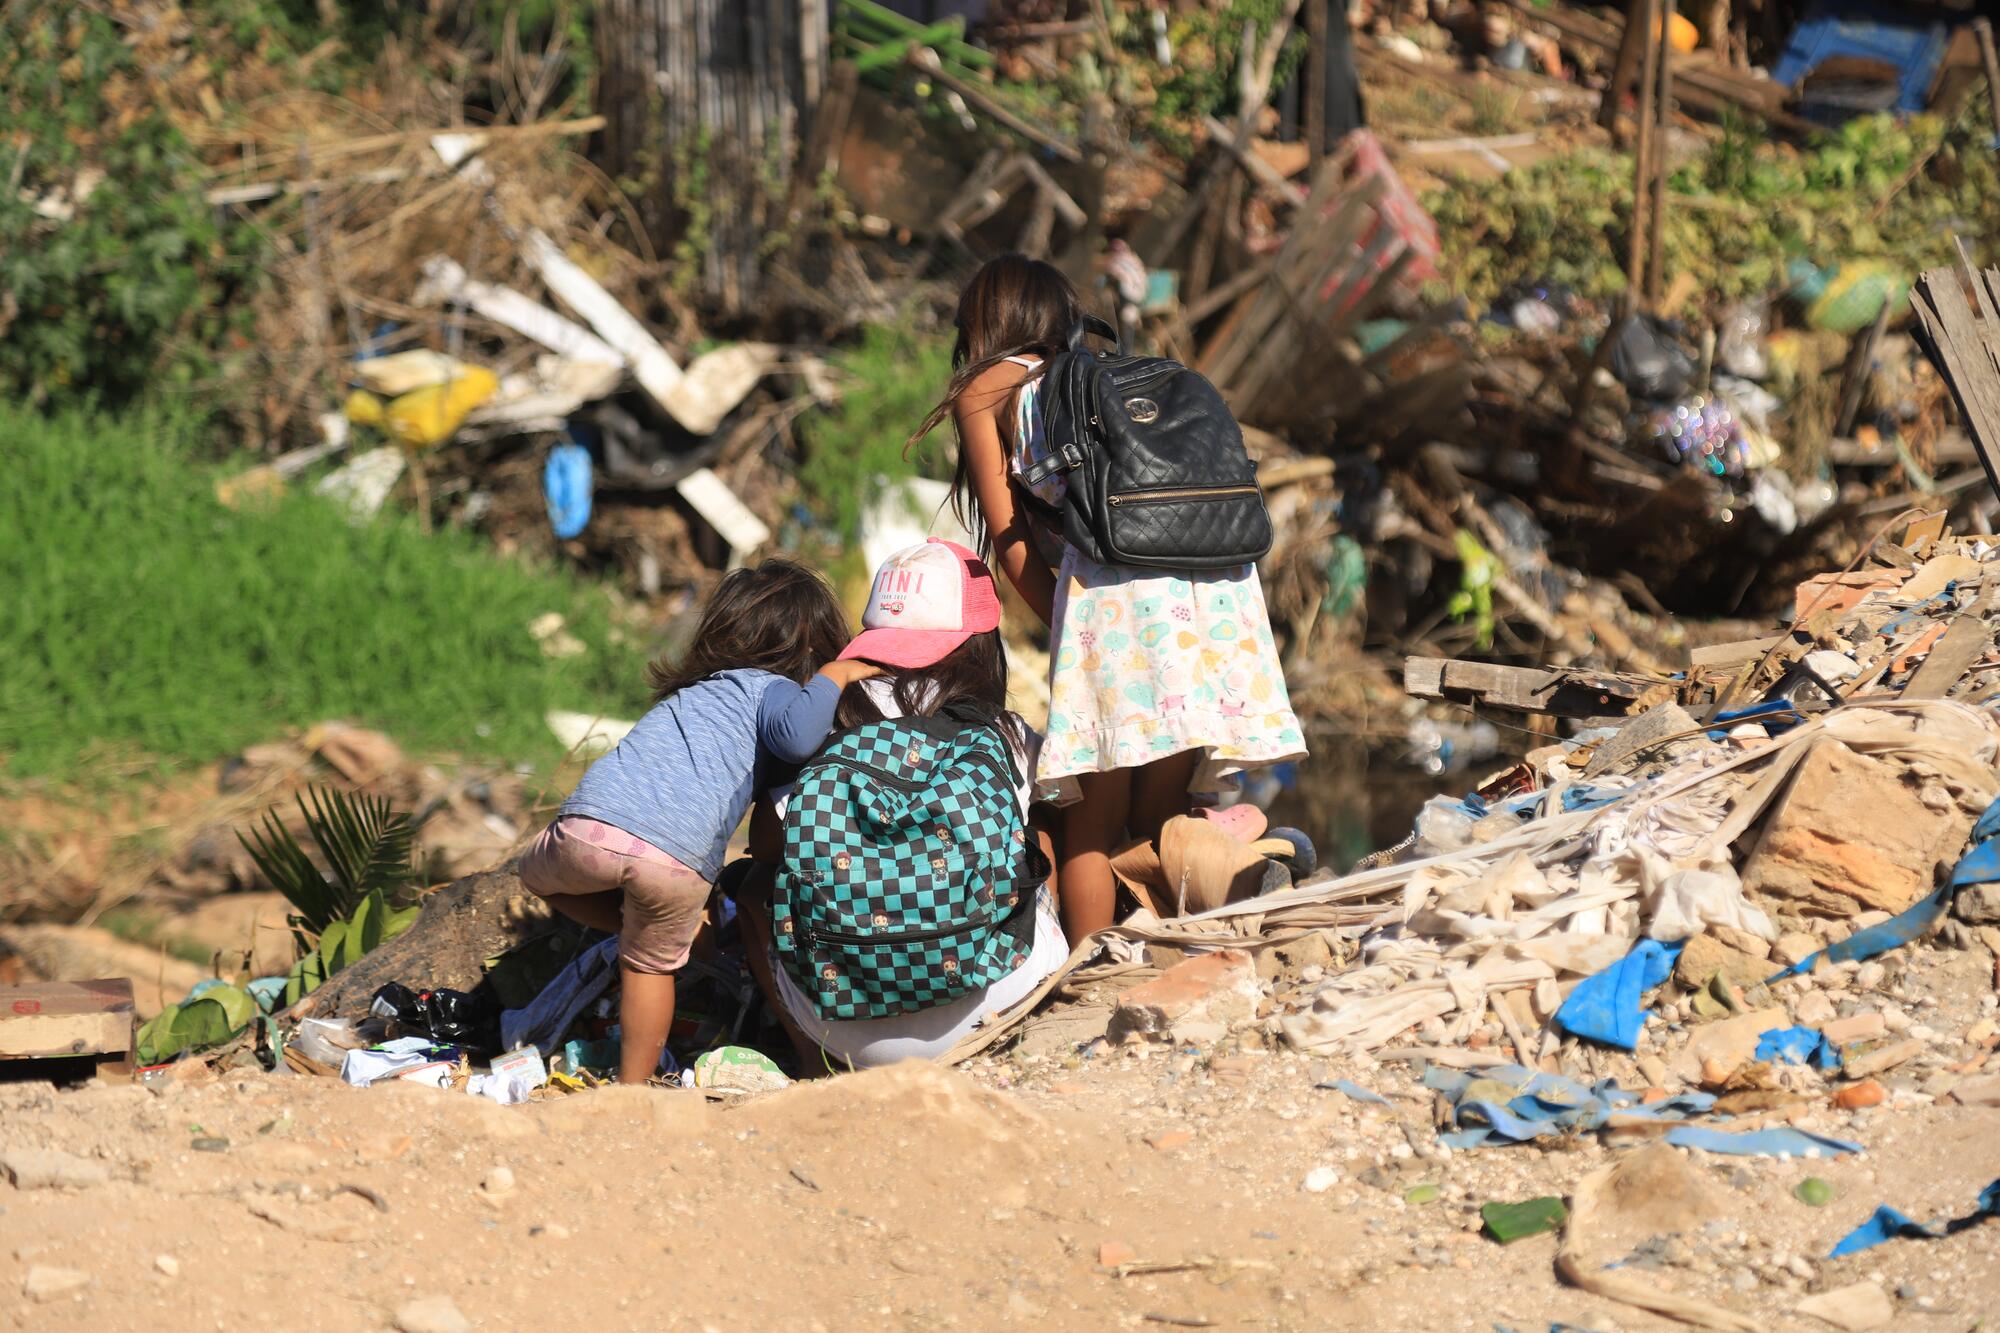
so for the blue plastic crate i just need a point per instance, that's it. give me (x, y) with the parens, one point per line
(1872, 31)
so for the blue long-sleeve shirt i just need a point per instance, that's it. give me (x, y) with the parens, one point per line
(684, 776)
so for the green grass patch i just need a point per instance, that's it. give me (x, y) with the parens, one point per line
(892, 378)
(144, 616)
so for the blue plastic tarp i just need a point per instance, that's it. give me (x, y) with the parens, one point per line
(1605, 1007)
(1543, 1104)
(1780, 1141)
(1798, 1046)
(1888, 1224)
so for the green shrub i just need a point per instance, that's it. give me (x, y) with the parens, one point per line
(141, 286)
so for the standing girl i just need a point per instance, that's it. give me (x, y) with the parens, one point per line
(1161, 682)
(640, 841)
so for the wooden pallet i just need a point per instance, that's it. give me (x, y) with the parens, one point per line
(77, 1021)
(1962, 338)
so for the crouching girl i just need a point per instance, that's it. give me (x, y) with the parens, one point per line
(640, 841)
(911, 898)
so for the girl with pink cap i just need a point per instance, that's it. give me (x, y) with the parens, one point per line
(932, 627)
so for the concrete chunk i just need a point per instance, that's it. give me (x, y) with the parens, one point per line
(1643, 740)
(1851, 836)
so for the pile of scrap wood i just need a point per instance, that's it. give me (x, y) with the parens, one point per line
(1778, 817)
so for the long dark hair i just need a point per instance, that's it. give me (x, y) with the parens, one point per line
(778, 616)
(975, 672)
(1014, 306)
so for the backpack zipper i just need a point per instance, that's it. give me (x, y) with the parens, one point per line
(871, 770)
(1180, 493)
(815, 935)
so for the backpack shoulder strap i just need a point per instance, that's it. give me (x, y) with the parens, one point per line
(1089, 324)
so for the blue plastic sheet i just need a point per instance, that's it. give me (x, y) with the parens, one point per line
(1776, 715)
(1354, 1091)
(1781, 1141)
(1605, 1007)
(1979, 865)
(1888, 1224)
(1798, 1046)
(1585, 796)
(1544, 1104)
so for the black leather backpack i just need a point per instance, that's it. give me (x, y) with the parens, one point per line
(1156, 470)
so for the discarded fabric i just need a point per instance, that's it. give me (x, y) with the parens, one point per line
(1798, 1046)
(1888, 1224)
(1605, 1007)
(543, 1021)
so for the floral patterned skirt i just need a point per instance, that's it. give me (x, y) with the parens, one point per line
(1146, 664)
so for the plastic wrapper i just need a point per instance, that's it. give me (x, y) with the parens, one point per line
(1648, 362)
(1739, 348)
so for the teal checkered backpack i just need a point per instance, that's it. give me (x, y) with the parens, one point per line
(908, 878)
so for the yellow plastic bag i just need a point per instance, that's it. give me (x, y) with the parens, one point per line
(427, 416)
(363, 408)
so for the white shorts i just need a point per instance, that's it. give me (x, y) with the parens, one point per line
(867, 1043)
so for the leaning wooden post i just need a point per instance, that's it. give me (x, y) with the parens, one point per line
(1627, 64)
(1663, 101)
(1636, 252)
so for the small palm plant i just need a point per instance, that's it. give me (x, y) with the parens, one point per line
(340, 915)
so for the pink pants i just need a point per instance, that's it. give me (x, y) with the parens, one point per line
(663, 899)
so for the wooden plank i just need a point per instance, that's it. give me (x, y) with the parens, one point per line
(1965, 642)
(1957, 346)
(1717, 655)
(1529, 689)
(55, 1019)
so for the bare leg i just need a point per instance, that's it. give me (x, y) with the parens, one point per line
(600, 911)
(1160, 792)
(1040, 818)
(645, 1013)
(1093, 829)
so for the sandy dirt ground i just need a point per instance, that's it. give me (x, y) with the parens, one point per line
(1006, 1193)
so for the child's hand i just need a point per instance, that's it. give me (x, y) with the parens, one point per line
(848, 670)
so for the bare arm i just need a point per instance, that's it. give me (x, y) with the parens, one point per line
(978, 411)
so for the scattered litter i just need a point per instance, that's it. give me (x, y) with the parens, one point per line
(1509, 1222)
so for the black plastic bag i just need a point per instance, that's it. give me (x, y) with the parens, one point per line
(1648, 362)
(447, 1017)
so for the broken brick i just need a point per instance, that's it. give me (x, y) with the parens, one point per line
(1855, 1096)
(1214, 989)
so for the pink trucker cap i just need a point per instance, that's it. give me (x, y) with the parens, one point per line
(927, 600)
